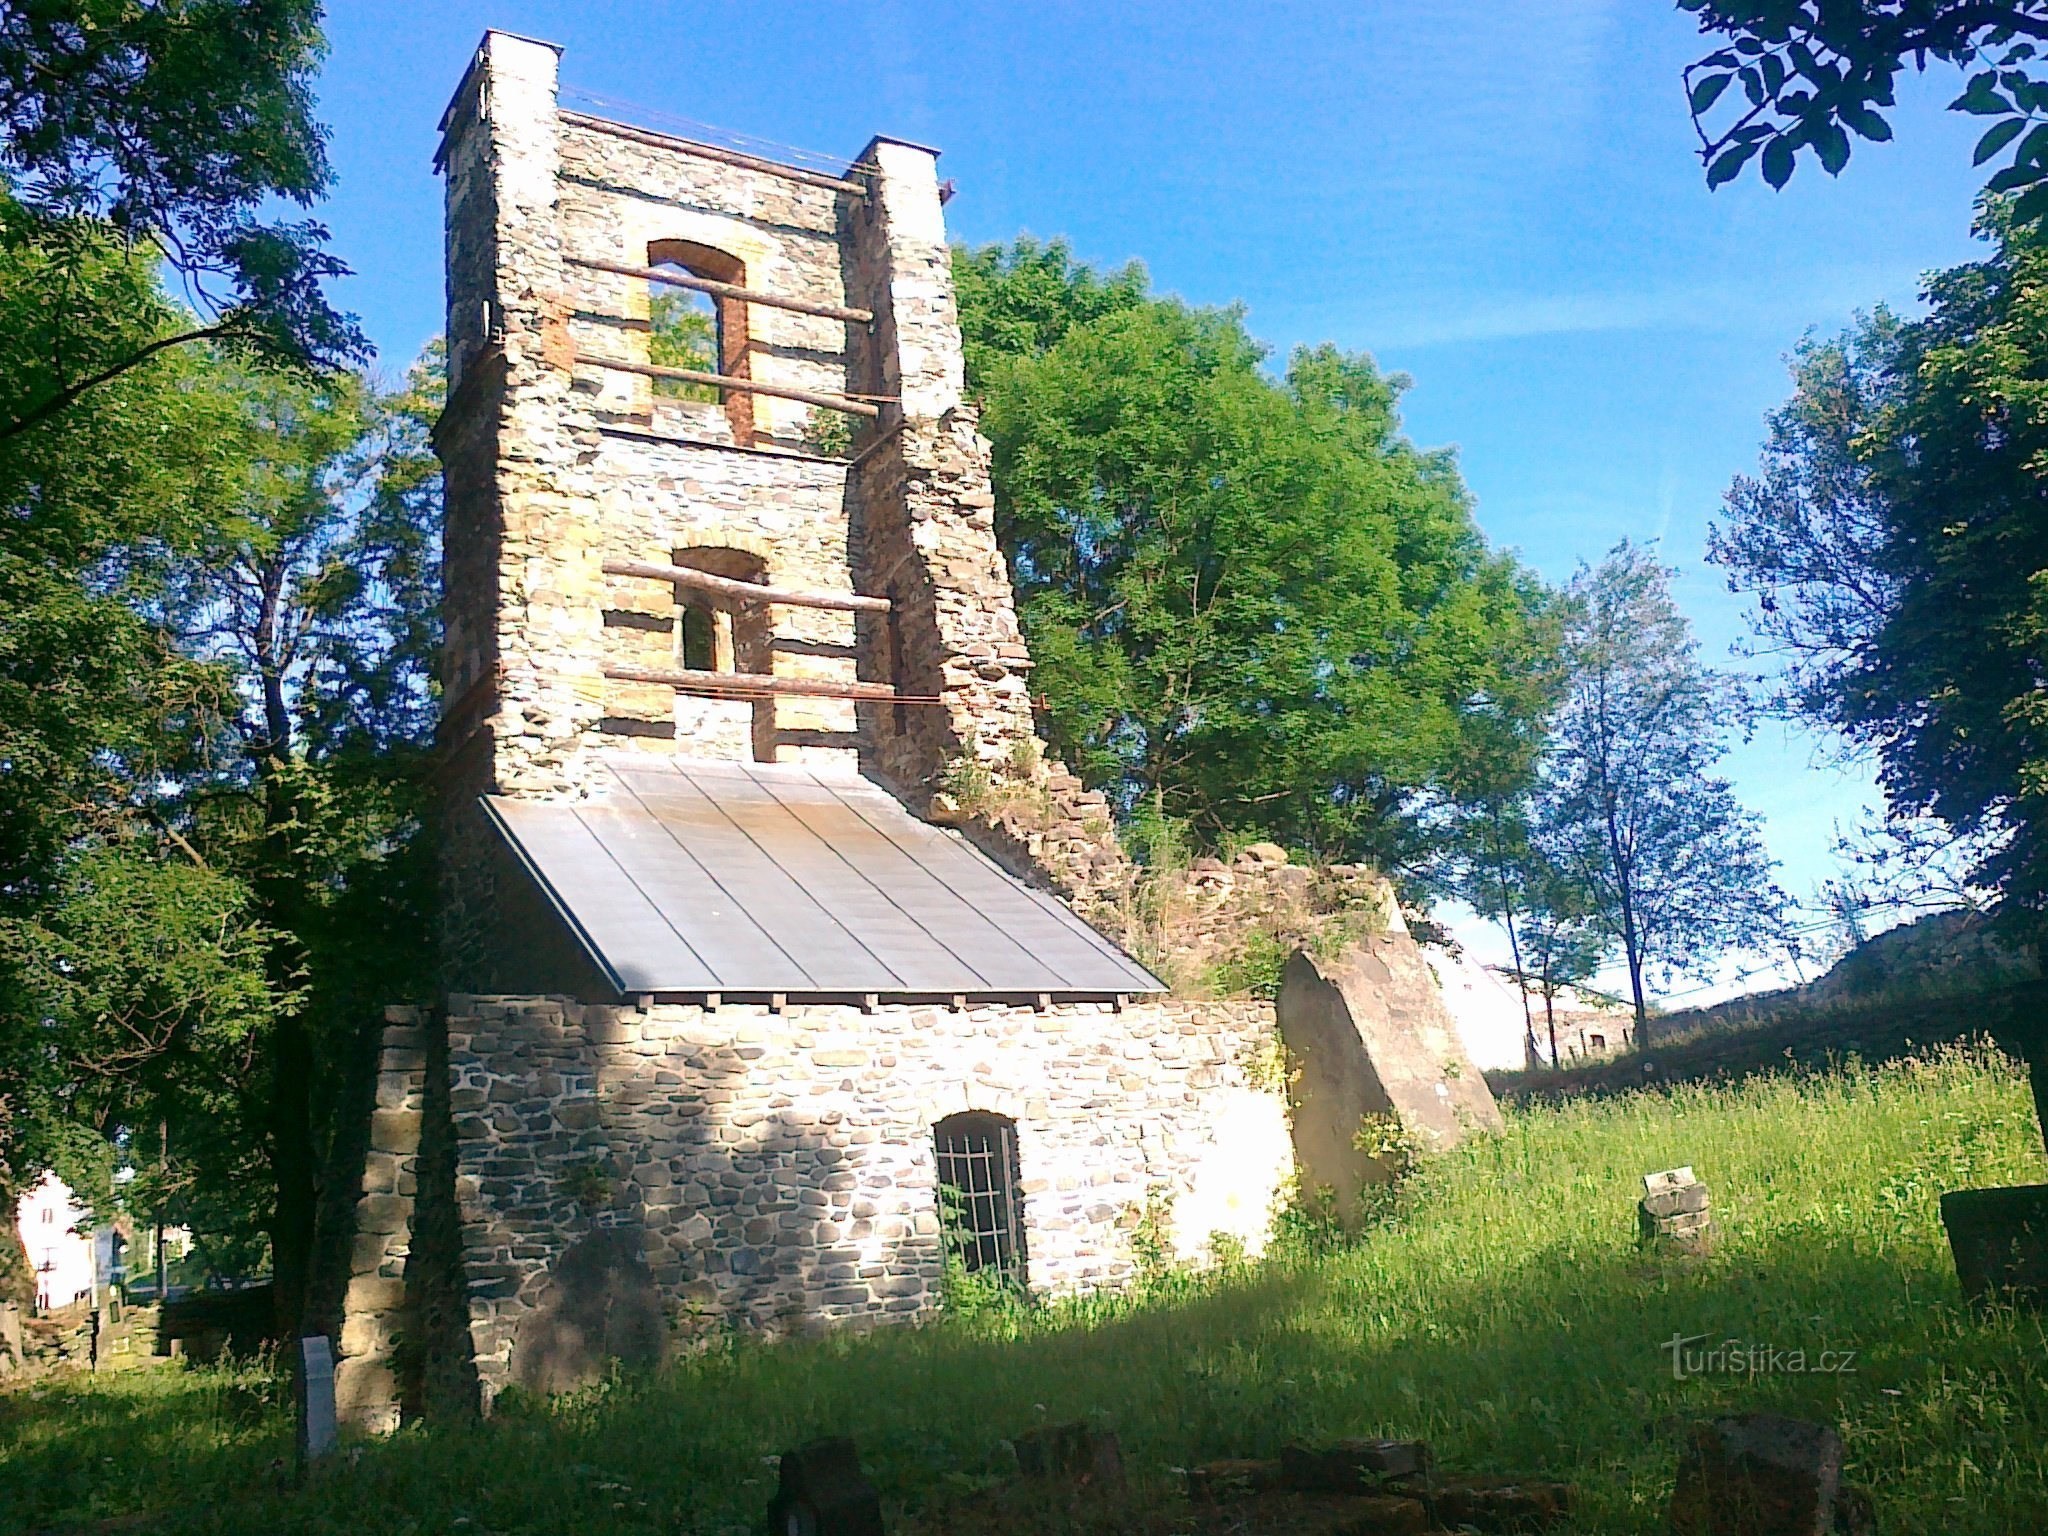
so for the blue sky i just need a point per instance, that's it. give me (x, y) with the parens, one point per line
(1497, 197)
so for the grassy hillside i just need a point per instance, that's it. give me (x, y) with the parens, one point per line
(1504, 1313)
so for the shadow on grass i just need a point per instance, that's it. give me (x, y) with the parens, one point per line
(1560, 1367)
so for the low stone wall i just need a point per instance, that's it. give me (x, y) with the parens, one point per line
(626, 1177)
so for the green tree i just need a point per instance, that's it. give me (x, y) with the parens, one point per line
(1676, 869)
(1251, 600)
(1801, 76)
(1895, 545)
(216, 614)
(682, 335)
(174, 127)
(1563, 940)
(95, 699)
(318, 598)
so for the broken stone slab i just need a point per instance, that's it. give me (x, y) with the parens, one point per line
(1349, 1466)
(1500, 1504)
(1675, 1212)
(823, 1492)
(1373, 1041)
(1758, 1474)
(1073, 1451)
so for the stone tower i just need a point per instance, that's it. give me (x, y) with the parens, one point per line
(733, 1035)
(851, 467)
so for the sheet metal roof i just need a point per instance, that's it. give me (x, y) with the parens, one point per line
(683, 876)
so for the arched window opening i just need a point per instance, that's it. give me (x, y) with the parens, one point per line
(700, 332)
(717, 633)
(981, 1210)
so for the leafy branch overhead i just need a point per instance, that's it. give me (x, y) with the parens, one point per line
(178, 128)
(1803, 77)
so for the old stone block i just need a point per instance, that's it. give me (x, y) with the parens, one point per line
(821, 1491)
(1375, 1043)
(1999, 1241)
(1347, 1466)
(383, 1213)
(395, 1130)
(577, 1114)
(1758, 1474)
(373, 1293)
(1073, 1451)
(1673, 1212)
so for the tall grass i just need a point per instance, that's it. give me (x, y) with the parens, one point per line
(1504, 1312)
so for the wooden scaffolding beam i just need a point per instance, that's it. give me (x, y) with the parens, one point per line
(678, 279)
(727, 381)
(746, 591)
(760, 685)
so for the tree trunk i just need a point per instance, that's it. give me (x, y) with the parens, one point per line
(292, 1166)
(1630, 940)
(1550, 1016)
(1507, 913)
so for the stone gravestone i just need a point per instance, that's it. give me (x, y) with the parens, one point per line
(1999, 1238)
(1674, 1211)
(313, 1389)
(1072, 1451)
(823, 1492)
(1758, 1474)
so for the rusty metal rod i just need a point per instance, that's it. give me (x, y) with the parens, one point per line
(727, 381)
(675, 279)
(746, 591)
(761, 684)
(713, 152)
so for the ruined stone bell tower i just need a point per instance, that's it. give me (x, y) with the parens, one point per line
(724, 1010)
(837, 461)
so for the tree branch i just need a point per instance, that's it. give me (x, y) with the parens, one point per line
(71, 392)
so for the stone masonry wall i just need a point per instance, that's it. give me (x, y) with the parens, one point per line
(775, 1171)
(366, 1386)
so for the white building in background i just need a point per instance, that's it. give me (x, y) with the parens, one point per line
(1486, 1009)
(1488, 1012)
(57, 1233)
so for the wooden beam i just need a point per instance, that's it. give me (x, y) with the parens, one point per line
(727, 381)
(746, 591)
(713, 152)
(761, 685)
(676, 279)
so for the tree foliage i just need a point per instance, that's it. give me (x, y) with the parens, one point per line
(217, 611)
(1801, 76)
(1675, 868)
(1248, 597)
(175, 125)
(1896, 542)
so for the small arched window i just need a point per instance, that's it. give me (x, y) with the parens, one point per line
(720, 634)
(981, 1209)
